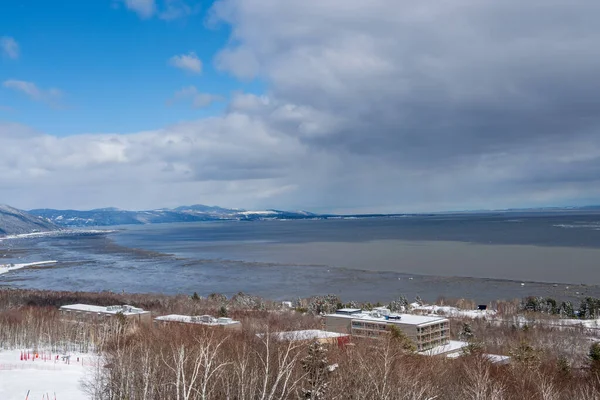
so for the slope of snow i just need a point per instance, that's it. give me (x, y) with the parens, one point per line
(257, 213)
(453, 311)
(9, 267)
(14, 221)
(43, 378)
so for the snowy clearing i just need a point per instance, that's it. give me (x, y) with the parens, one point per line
(61, 232)
(257, 212)
(519, 320)
(43, 377)
(455, 312)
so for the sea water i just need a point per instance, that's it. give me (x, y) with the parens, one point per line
(481, 257)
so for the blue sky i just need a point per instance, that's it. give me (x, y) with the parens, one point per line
(111, 66)
(321, 105)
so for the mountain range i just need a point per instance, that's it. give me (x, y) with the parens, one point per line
(14, 221)
(194, 213)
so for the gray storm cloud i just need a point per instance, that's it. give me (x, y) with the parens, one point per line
(384, 105)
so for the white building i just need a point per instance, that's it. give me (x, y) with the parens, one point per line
(93, 313)
(426, 332)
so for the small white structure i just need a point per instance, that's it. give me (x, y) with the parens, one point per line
(453, 347)
(493, 358)
(309, 335)
(206, 320)
(497, 359)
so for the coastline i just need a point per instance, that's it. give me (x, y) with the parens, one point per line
(361, 270)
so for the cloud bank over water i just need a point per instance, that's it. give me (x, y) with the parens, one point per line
(380, 106)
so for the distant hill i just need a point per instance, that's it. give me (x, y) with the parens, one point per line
(194, 213)
(15, 222)
(198, 212)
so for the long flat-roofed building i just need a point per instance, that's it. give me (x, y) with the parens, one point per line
(93, 313)
(426, 332)
(206, 320)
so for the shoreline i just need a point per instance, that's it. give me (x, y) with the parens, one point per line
(103, 260)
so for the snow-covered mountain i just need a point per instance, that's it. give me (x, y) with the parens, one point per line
(198, 212)
(16, 222)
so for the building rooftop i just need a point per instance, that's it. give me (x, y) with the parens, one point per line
(124, 309)
(348, 310)
(453, 346)
(197, 319)
(497, 358)
(378, 316)
(308, 334)
(493, 358)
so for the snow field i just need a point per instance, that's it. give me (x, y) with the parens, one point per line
(43, 377)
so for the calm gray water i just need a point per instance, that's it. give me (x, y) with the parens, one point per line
(479, 257)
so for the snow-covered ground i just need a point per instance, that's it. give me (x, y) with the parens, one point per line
(518, 320)
(266, 212)
(61, 232)
(43, 378)
(9, 267)
(455, 312)
(521, 320)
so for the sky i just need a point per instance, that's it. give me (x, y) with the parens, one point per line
(322, 105)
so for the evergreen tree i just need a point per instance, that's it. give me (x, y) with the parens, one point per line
(467, 332)
(351, 304)
(563, 366)
(315, 366)
(594, 353)
(589, 308)
(525, 354)
(594, 357)
(400, 304)
(551, 306)
(324, 304)
(566, 309)
(401, 339)
(195, 296)
(223, 312)
(532, 304)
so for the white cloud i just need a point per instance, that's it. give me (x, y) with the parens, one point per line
(175, 9)
(380, 106)
(198, 99)
(187, 62)
(240, 61)
(421, 89)
(143, 8)
(231, 160)
(49, 96)
(167, 10)
(9, 47)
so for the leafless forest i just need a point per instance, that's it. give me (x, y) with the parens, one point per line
(192, 362)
